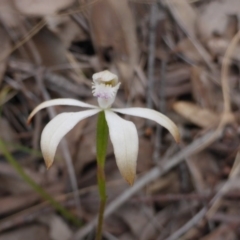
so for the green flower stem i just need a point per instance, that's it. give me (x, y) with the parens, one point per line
(12, 161)
(102, 142)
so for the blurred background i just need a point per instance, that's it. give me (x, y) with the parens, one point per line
(180, 57)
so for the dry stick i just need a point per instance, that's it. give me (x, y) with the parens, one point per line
(151, 54)
(195, 147)
(66, 153)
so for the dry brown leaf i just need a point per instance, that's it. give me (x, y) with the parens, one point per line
(204, 91)
(186, 17)
(8, 14)
(50, 48)
(113, 32)
(66, 29)
(217, 25)
(214, 17)
(177, 73)
(185, 13)
(202, 117)
(217, 45)
(187, 48)
(41, 7)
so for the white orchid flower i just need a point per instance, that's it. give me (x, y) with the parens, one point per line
(123, 133)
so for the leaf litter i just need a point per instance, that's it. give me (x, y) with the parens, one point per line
(186, 191)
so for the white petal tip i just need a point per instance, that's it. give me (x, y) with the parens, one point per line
(176, 135)
(29, 121)
(30, 117)
(130, 180)
(155, 116)
(128, 175)
(48, 164)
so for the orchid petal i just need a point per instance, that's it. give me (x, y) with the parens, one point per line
(59, 101)
(57, 128)
(124, 137)
(152, 115)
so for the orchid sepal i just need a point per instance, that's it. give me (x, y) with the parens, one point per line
(59, 101)
(57, 128)
(124, 137)
(153, 115)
